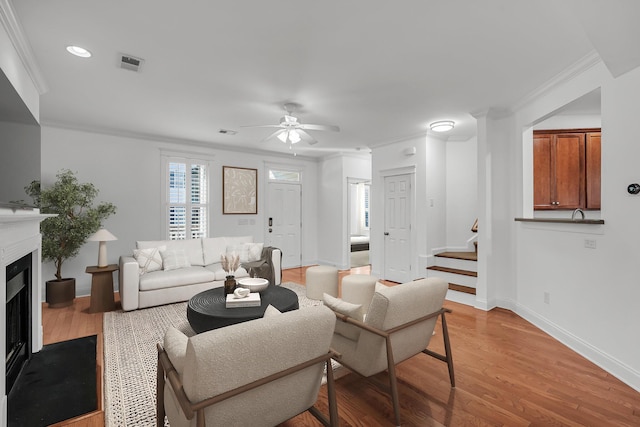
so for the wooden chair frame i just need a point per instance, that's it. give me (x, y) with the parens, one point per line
(392, 389)
(168, 371)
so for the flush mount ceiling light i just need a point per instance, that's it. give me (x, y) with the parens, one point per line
(442, 126)
(79, 51)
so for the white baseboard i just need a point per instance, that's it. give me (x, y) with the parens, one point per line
(461, 297)
(333, 264)
(624, 373)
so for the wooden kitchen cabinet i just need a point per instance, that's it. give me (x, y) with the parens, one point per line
(593, 170)
(566, 169)
(542, 172)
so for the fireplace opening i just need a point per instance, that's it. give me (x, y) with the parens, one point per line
(18, 310)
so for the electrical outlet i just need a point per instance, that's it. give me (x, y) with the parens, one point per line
(547, 298)
(590, 243)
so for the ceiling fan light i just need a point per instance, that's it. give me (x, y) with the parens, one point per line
(282, 136)
(294, 136)
(442, 126)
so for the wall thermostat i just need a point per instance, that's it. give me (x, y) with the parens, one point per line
(633, 188)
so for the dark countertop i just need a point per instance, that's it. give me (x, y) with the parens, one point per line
(562, 220)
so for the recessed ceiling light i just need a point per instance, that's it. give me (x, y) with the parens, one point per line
(79, 51)
(442, 126)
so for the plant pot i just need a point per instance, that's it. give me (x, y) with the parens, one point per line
(60, 293)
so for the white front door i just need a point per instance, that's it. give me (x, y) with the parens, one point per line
(397, 228)
(284, 221)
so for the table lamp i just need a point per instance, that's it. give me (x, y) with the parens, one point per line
(102, 236)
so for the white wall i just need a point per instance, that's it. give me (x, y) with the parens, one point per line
(127, 172)
(462, 192)
(565, 121)
(331, 208)
(594, 294)
(12, 66)
(333, 230)
(428, 227)
(497, 197)
(20, 159)
(435, 186)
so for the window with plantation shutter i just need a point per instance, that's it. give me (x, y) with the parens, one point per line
(186, 204)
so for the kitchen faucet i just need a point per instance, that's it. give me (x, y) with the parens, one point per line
(578, 210)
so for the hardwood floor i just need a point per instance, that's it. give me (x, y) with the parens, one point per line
(508, 373)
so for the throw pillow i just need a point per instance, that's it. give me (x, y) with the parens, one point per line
(175, 344)
(348, 309)
(343, 307)
(271, 311)
(174, 259)
(254, 251)
(241, 250)
(149, 259)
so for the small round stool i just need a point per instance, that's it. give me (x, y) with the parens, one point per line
(321, 279)
(359, 289)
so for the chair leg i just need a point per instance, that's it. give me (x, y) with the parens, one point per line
(200, 420)
(331, 396)
(393, 382)
(447, 350)
(448, 358)
(160, 412)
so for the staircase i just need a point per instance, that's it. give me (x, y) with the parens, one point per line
(460, 270)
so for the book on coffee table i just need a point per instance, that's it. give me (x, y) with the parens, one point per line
(253, 300)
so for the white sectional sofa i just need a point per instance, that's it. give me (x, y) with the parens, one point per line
(167, 271)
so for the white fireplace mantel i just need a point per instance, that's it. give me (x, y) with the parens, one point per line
(20, 236)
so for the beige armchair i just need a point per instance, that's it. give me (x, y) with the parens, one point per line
(398, 325)
(257, 373)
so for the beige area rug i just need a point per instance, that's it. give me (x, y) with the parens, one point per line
(130, 358)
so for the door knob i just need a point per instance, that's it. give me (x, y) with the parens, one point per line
(270, 230)
(386, 233)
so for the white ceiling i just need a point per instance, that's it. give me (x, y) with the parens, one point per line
(381, 70)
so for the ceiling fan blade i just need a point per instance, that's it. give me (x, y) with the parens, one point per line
(273, 135)
(320, 127)
(306, 137)
(260, 126)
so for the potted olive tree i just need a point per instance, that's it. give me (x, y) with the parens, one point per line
(64, 234)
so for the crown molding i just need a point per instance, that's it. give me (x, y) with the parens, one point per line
(209, 145)
(21, 44)
(585, 63)
(460, 138)
(420, 135)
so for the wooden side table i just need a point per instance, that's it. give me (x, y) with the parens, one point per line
(102, 288)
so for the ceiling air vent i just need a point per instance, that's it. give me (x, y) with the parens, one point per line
(129, 62)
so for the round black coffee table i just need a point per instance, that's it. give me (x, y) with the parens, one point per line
(207, 310)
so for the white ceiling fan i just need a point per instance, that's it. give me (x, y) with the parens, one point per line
(291, 131)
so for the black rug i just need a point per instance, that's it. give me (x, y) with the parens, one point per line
(58, 383)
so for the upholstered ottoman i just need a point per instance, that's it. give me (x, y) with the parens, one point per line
(321, 279)
(359, 289)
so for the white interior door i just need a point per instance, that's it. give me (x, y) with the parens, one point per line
(284, 221)
(397, 228)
